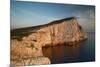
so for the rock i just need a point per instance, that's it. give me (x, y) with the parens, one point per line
(20, 49)
(57, 32)
(61, 31)
(28, 42)
(40, 60)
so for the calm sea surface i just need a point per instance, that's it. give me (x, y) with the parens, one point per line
(80, 52)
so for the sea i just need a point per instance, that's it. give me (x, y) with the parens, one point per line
(79, 52)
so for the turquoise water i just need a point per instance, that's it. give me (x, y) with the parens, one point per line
(80, 52)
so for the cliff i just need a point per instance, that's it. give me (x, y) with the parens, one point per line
(61, 31)
(28, 42)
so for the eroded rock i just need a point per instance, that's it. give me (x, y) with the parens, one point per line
(40, 60)
(28, 42)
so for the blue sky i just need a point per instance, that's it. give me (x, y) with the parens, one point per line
(25, 14)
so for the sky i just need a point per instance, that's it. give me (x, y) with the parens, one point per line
(26, 14)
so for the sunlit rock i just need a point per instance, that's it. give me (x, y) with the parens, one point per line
(28, 42)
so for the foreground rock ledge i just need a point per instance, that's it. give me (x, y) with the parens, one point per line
(28, 42)
(31, 61)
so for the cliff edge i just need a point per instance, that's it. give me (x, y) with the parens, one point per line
(28, 42)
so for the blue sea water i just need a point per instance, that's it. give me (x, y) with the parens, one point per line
(80, 52)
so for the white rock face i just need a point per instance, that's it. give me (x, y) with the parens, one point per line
(64, 31)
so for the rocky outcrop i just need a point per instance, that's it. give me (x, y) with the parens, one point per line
(28, 42)
(31, 61)
(61, 31)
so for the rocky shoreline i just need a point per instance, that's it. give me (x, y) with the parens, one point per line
(28, 42)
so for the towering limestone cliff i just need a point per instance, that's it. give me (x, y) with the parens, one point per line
(61, 31)
(28, 42)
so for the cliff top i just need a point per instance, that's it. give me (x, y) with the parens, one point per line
(61, 20)
(51, 23)
(28, 30)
